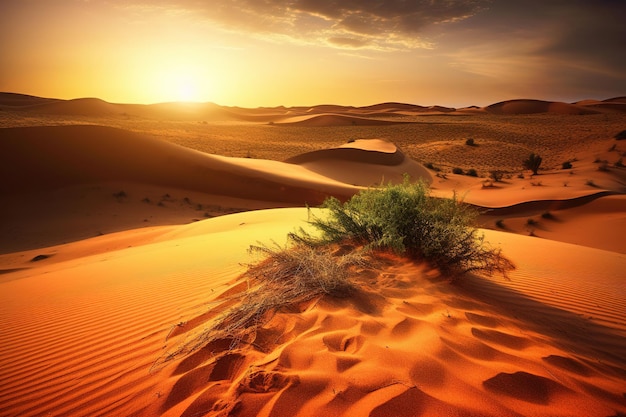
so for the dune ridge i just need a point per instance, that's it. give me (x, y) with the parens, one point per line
(329, 115)
(351, 162)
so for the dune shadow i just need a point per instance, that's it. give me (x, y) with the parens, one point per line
(564, 329)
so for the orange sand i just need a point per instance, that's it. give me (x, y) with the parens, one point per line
(96, 287)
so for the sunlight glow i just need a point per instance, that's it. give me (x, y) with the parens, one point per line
(183, 85)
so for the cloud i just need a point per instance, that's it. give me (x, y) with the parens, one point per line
(557, 46)
(376, 24)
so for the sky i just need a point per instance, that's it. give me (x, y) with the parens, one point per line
(254, 53)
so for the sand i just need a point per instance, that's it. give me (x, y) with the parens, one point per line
(117, 247)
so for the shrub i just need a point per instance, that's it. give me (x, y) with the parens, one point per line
(532, 163)
(402, 218)
(430, 165)
(470, 142)
(566, 165)
(621, 135)
(496, 176)
(457, 171)
(282, 279)
(472, 172)
(405, 219)
(500, 224)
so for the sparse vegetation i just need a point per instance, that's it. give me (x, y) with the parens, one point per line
(282, 279)
(432, 167)
(619, 163)
(533, 163)
(457, 170)
(566, 165)
(500, 224)
(406, 219)
(496, 176)
(547, 215)
(402, 218)
(472, 172)
(470, 142)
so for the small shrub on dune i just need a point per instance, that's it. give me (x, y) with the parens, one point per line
(471, 172)
(283, 279)
(566, 165)
(401, 218)
(533, 162)
(405, 219)
(496, 176)
(458, 171)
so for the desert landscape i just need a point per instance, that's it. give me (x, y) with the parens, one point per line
(125, 234)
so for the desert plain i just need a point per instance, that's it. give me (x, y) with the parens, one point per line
(125, 228)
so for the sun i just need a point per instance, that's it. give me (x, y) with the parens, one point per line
(181, 85)
(185, 90)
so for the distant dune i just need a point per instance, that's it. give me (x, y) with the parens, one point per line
(536, 106)
(329, 120)
(327, 115)
(40, 158)
(363, 163)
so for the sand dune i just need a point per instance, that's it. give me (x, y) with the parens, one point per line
(546, 342)
(41, 158)
(329, 115)
(329, 120)
(536, 106)
(74, 182)
(363, 163)
(118, 247)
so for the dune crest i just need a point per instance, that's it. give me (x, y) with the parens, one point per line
(364, 162)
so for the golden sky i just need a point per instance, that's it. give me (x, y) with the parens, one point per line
(303, 52)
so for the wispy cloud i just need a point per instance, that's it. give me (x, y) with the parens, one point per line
(343, 24)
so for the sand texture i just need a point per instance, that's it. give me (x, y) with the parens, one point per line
(119, 245)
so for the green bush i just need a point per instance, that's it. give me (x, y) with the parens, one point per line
(405, 219)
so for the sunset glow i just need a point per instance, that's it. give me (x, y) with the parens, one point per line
(299, 52)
